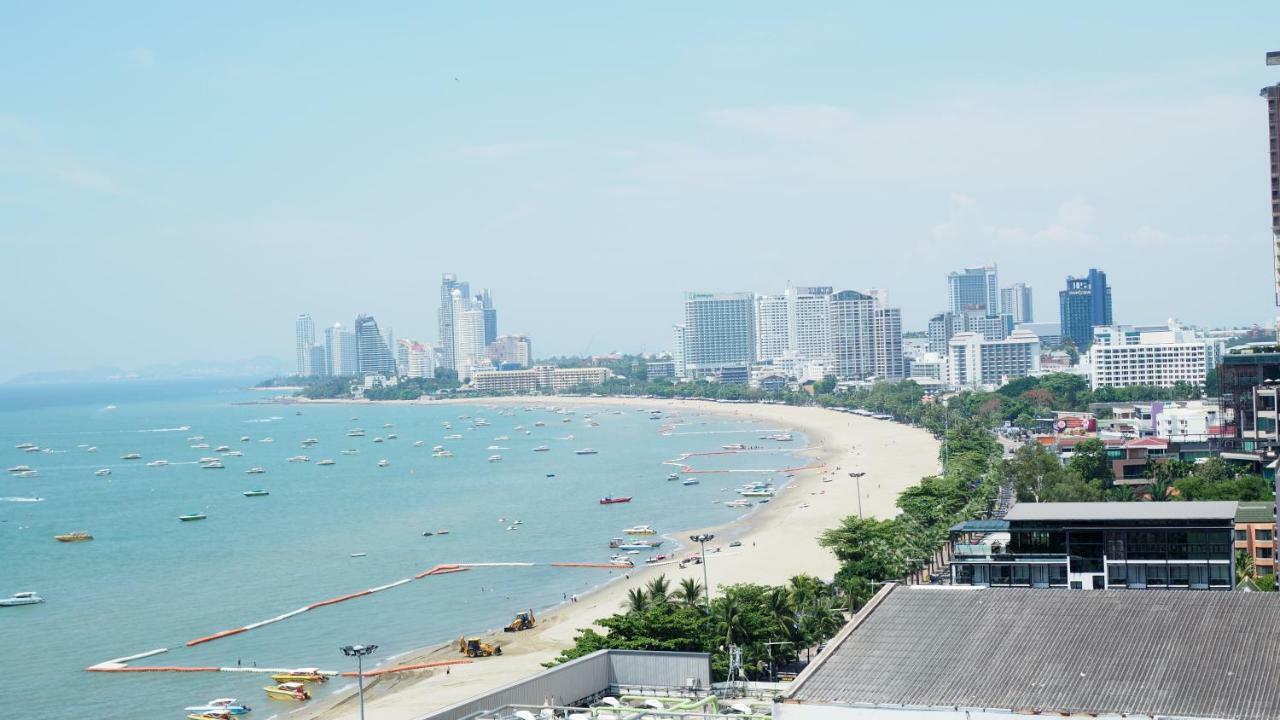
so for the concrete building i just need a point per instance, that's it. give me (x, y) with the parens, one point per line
(938, 653)
(796, 323)
(990, 327)
(1247, 380)
(510, 351)
(973, 291)
(888, 344)
(1256, 535)
(941, 327)
(538, 378)
(304, 339)
(719, 331)
(419, 359)
(772, 329)
(1050, 333)
(1099, 546)
(975, 362)
(317, 364)
(1084, 305)
(340, 351)
(677, 351)
(1272, 95)
(372, 354)
(1158, 355)
(449, 283)
(1015, 301)
(853, 335)
(468, 319)
(660, 368)
(490, 316)
(929, 366)
(1190, 421)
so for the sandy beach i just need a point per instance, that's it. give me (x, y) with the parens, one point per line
(778, 541)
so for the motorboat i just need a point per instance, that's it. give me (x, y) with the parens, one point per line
(359, 555)
(234, 453)
(761, 492)
(21, 598)
(392, 436)
(204, 460)
(24, 446)
(26, 474)
(542, 448)
(215, 465)
(244, 438)
(212, 714)
(326, 461)
(734, 446)
(737, 503)
(611, 500)
(442, 532)
(377, 440)
(500, 438)
(621, 544)
(103, 472)
(420, 443)
(19, 468)
(495, 458)
(384, 463)
(778, 437)
(267, 440)
(222, 448)
(442, 454)
(33, 448)
(288, 691)
(157, 463)
(255, 493)
(455, 436)
(621, 560)
(192, 516)
(690, 481)
(673, 476)
(131, 456)
(230, 706)
(310, 441)
(255, 471)
(301, 675)
(71, 537)
(91, 448)
(200, 446)
(350, 451)
(586, 451)
(195, 438)
(355, 432)
(387, 425)
(539, 424)
(299, 458)
(640, 530)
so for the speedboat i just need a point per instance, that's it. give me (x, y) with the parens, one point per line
(761, 492)
(222, 448)
(310, 441)
(131, 456)
(734, 446)
(690, 481)
(234, 453)
(384, 463)
(103, 472)
(267, 440)
(442, 454)
(611, 500)
(301, 675)
(621, 560)
(21, 598)
(500, 438)
(455, 436)
(495, 458)
(387, 425)
(539, 424)
(442, 532)
(392, 436)
(640, 530)
(255, 493)
(326, 461)
(19, 468)
(420, 443)
(620, 544)
(255, 471)
(71, 537)
(25, 445)
(211, 714)
(289, 691)
(91, 448)
(244, 438)
(200, 446)
(33, 448)
(215, 465)
(673, 476)
(230, 706)
(192, 516)
(586, 451)
(377, 439)
(157, 463)
(350, 451)
(355, 432)
(26, 474)
(299, 458)
(542, 448)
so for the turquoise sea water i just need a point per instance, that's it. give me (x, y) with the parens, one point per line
(149, 581)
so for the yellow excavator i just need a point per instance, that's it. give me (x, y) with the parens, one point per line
(474, 647)
(524, 621)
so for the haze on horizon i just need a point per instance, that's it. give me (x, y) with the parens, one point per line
(178, 183)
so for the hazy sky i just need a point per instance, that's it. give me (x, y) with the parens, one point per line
(179, 183)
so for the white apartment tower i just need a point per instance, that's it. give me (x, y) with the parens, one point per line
(1156, 355)
(975, 362)
(1015, 300)
(677, 350)
(853, 337)
(340, 350)
(719, 331)
(467, 317)
(888, 344)
(305, 339)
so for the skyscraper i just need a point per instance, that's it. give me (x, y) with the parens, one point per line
(305, 337)
(888, 344)
(853, 334)
(340, 346)
(1015, 301)
(490, 316)
(719, 331)
(1272, 94)
(468, 334)
(448, 284)
(1084, 305)
(372, 354)
(974, 291)
(795, 324)
(677, 351)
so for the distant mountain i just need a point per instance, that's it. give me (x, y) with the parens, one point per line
(260, 366)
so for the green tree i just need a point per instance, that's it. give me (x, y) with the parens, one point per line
(868, 548)
(689, 592)
(659, 590)
(1244, 566)
(1089, 460)
(637, 601)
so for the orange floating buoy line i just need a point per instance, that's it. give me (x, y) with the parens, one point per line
(190, 669)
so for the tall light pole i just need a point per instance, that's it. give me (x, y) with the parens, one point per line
(359, 651)
(857, 477)
(702, 539)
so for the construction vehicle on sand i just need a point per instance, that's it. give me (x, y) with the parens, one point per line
(474, 647)
(524, 621)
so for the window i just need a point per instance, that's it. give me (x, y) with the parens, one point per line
(1263, 535)
(1157, 576)
(1057, 576)
(1242, 535)
(1178, 576)
(1220, 575)
(1263, 553)
(1266, 570)
(1117, 576)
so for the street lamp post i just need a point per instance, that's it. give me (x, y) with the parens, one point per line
(359, 651)
(857, 477)
(702, 539)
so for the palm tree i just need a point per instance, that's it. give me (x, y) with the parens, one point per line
(1244, 566)
(728, 618)
(857, 591)
(690, 592)
(779, 610)
(637, 600)
(805, 589)
(659, 590)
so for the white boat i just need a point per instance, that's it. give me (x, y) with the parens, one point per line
(310, 441)
(500, 438)
(377, 439)
(495, 458)
(586, 451)
(215, 465)
(92, 448)
(737, 503)
(157, 463)
(734, 446)
(539, 424)
(760, 492)
(326, 461)
(299, 458)
(779, 437)
(690, 481)
(420, 443)
(200, 446)
(384, 463)
(640, 530)
(266, 440)
(387, 425)
(453, 437)
(21, 598)
(204, 460)
(244, 438)
(26, 474)
(103, 472)
(19, 468)
(442, 454)
(392, 436)
(131, 456)
(234, 453)
(24, 446)
(673, 476)
(254, 471)
(222, 448)
(350, 451)
(542, 448)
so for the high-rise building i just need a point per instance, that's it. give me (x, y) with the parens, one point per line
(973, 291)
(1272, 94)
(490, 316)
(772, 329)
(1015, 300)
(317, 363)
(419, 359)
(941, 327)
(976, 362)
(1083, 306)
(719, 332)
(510, 351)
(304, 338)
(853, 340)
(448, 284)
(796, 324)
(990, 327)
(468, 335)
(372, 354)
(340, 351)
(1155, 355)
(677, 350)
(888, 344)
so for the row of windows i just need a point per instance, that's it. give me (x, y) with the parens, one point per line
(1258, 534)
(1144, 575)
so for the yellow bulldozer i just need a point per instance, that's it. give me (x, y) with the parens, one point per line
(474, 647)
(524, 621)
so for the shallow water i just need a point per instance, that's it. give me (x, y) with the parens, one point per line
(149, 581)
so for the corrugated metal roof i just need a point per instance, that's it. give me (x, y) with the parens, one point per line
(1150, 652)
(1261, 511)
(1200, 510)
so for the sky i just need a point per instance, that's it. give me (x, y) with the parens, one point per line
(178, 181)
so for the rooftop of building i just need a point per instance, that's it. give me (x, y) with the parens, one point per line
(1195, 510)
(1051, 651)
(1256, 511)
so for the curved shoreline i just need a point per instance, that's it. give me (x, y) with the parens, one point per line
(779, 540)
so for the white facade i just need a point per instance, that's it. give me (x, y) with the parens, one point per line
(542, 377)
(1190, 421)
(305, 338)
(340, 350)
(853, 338)
(1159, 356)
(929, 366)
(420, 359)
(511, 350)
(772, 327)
(795, 324)
(975, 362)
(677, 350)
(888, 343)
(468, 335)
(719, 331)
(1015, 300)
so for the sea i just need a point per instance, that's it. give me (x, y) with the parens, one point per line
(149, 580)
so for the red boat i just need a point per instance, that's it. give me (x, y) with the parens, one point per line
(611, 500)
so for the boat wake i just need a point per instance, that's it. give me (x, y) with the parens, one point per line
(273, 418)
(184, 428)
